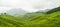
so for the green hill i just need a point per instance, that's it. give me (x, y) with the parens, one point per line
(9, 21)
(49, 19)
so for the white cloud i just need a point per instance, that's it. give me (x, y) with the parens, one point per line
(4, 9)
(29, 5)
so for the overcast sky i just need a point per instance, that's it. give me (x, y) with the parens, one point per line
(28, 5)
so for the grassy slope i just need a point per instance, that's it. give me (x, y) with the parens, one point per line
(10, 21)
(30, 16)
(45, 20)
(38, 20)
(49, 20)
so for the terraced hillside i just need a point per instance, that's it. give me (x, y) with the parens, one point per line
(49, 20)
(37, 20)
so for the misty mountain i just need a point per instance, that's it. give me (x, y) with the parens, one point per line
(43, 11)
(16, 11)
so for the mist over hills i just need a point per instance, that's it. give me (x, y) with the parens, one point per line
(19, 11)
(16, 11)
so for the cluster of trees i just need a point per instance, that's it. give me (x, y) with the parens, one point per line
(48, 19)
(54, 10)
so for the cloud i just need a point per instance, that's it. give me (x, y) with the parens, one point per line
(47, 4)
(4, 9)
(30, 5)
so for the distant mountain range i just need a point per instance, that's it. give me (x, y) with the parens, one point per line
(19, 11)
(16, 11)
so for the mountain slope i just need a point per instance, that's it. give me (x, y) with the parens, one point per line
(47, 20)
(54, 10)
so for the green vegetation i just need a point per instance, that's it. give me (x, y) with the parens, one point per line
(10, 21)
(49, 19)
